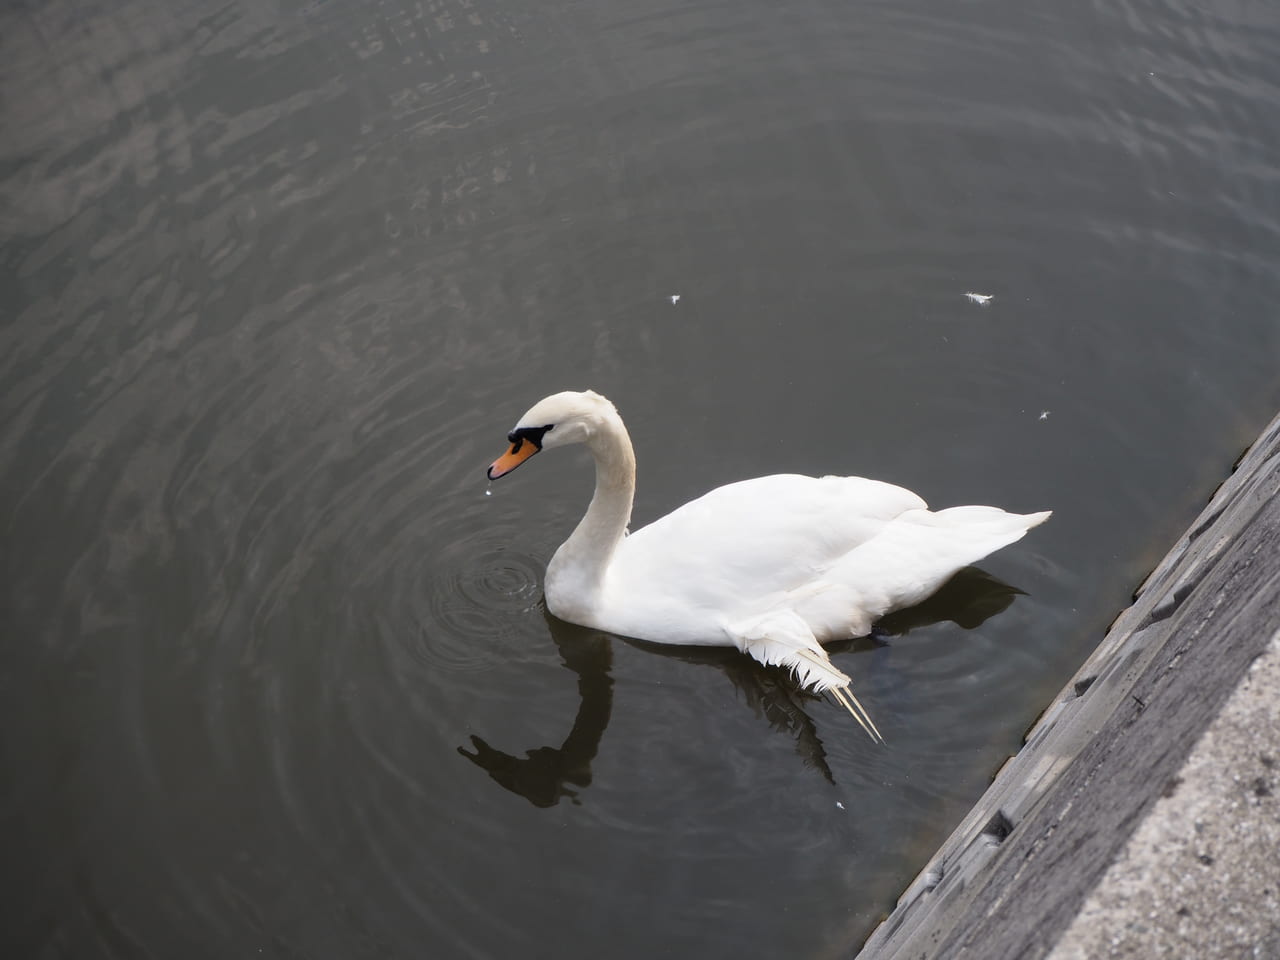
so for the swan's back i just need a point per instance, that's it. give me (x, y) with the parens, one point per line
(744, 541)
(771, 530)
(839, 551)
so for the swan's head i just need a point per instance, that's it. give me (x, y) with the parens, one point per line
(556, 421)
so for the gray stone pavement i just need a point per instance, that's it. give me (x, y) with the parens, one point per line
(1200, 877)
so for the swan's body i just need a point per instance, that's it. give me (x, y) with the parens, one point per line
(775, 566)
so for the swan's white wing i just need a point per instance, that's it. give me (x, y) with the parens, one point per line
(906, 562)
(781, 638)
(731, 550)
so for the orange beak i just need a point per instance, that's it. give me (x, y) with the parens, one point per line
(520, 451)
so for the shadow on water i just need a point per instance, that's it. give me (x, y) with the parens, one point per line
(545, 775)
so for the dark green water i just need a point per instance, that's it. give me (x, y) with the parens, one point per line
(276, 279)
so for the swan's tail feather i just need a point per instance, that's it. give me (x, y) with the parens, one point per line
(783, 639)
(844, 695)
(850, 702)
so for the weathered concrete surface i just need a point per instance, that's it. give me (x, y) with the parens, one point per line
(1201, 875)
(1014, 875)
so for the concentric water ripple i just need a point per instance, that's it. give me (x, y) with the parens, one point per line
(475, 596)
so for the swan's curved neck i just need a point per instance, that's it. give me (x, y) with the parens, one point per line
(576, 572)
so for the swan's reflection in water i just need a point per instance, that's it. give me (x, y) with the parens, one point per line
(543, 775)
(546, 774)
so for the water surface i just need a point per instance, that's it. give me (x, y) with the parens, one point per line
(277, 280)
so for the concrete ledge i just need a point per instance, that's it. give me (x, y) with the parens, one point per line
(1201, 875)
(1015, 874)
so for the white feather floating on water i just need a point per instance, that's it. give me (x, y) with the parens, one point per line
(979, 298)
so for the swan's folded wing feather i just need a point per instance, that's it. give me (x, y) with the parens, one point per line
(781, 638)
(766, 535)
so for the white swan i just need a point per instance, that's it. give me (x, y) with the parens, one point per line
(774, 566)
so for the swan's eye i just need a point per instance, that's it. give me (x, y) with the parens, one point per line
(533, 434)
